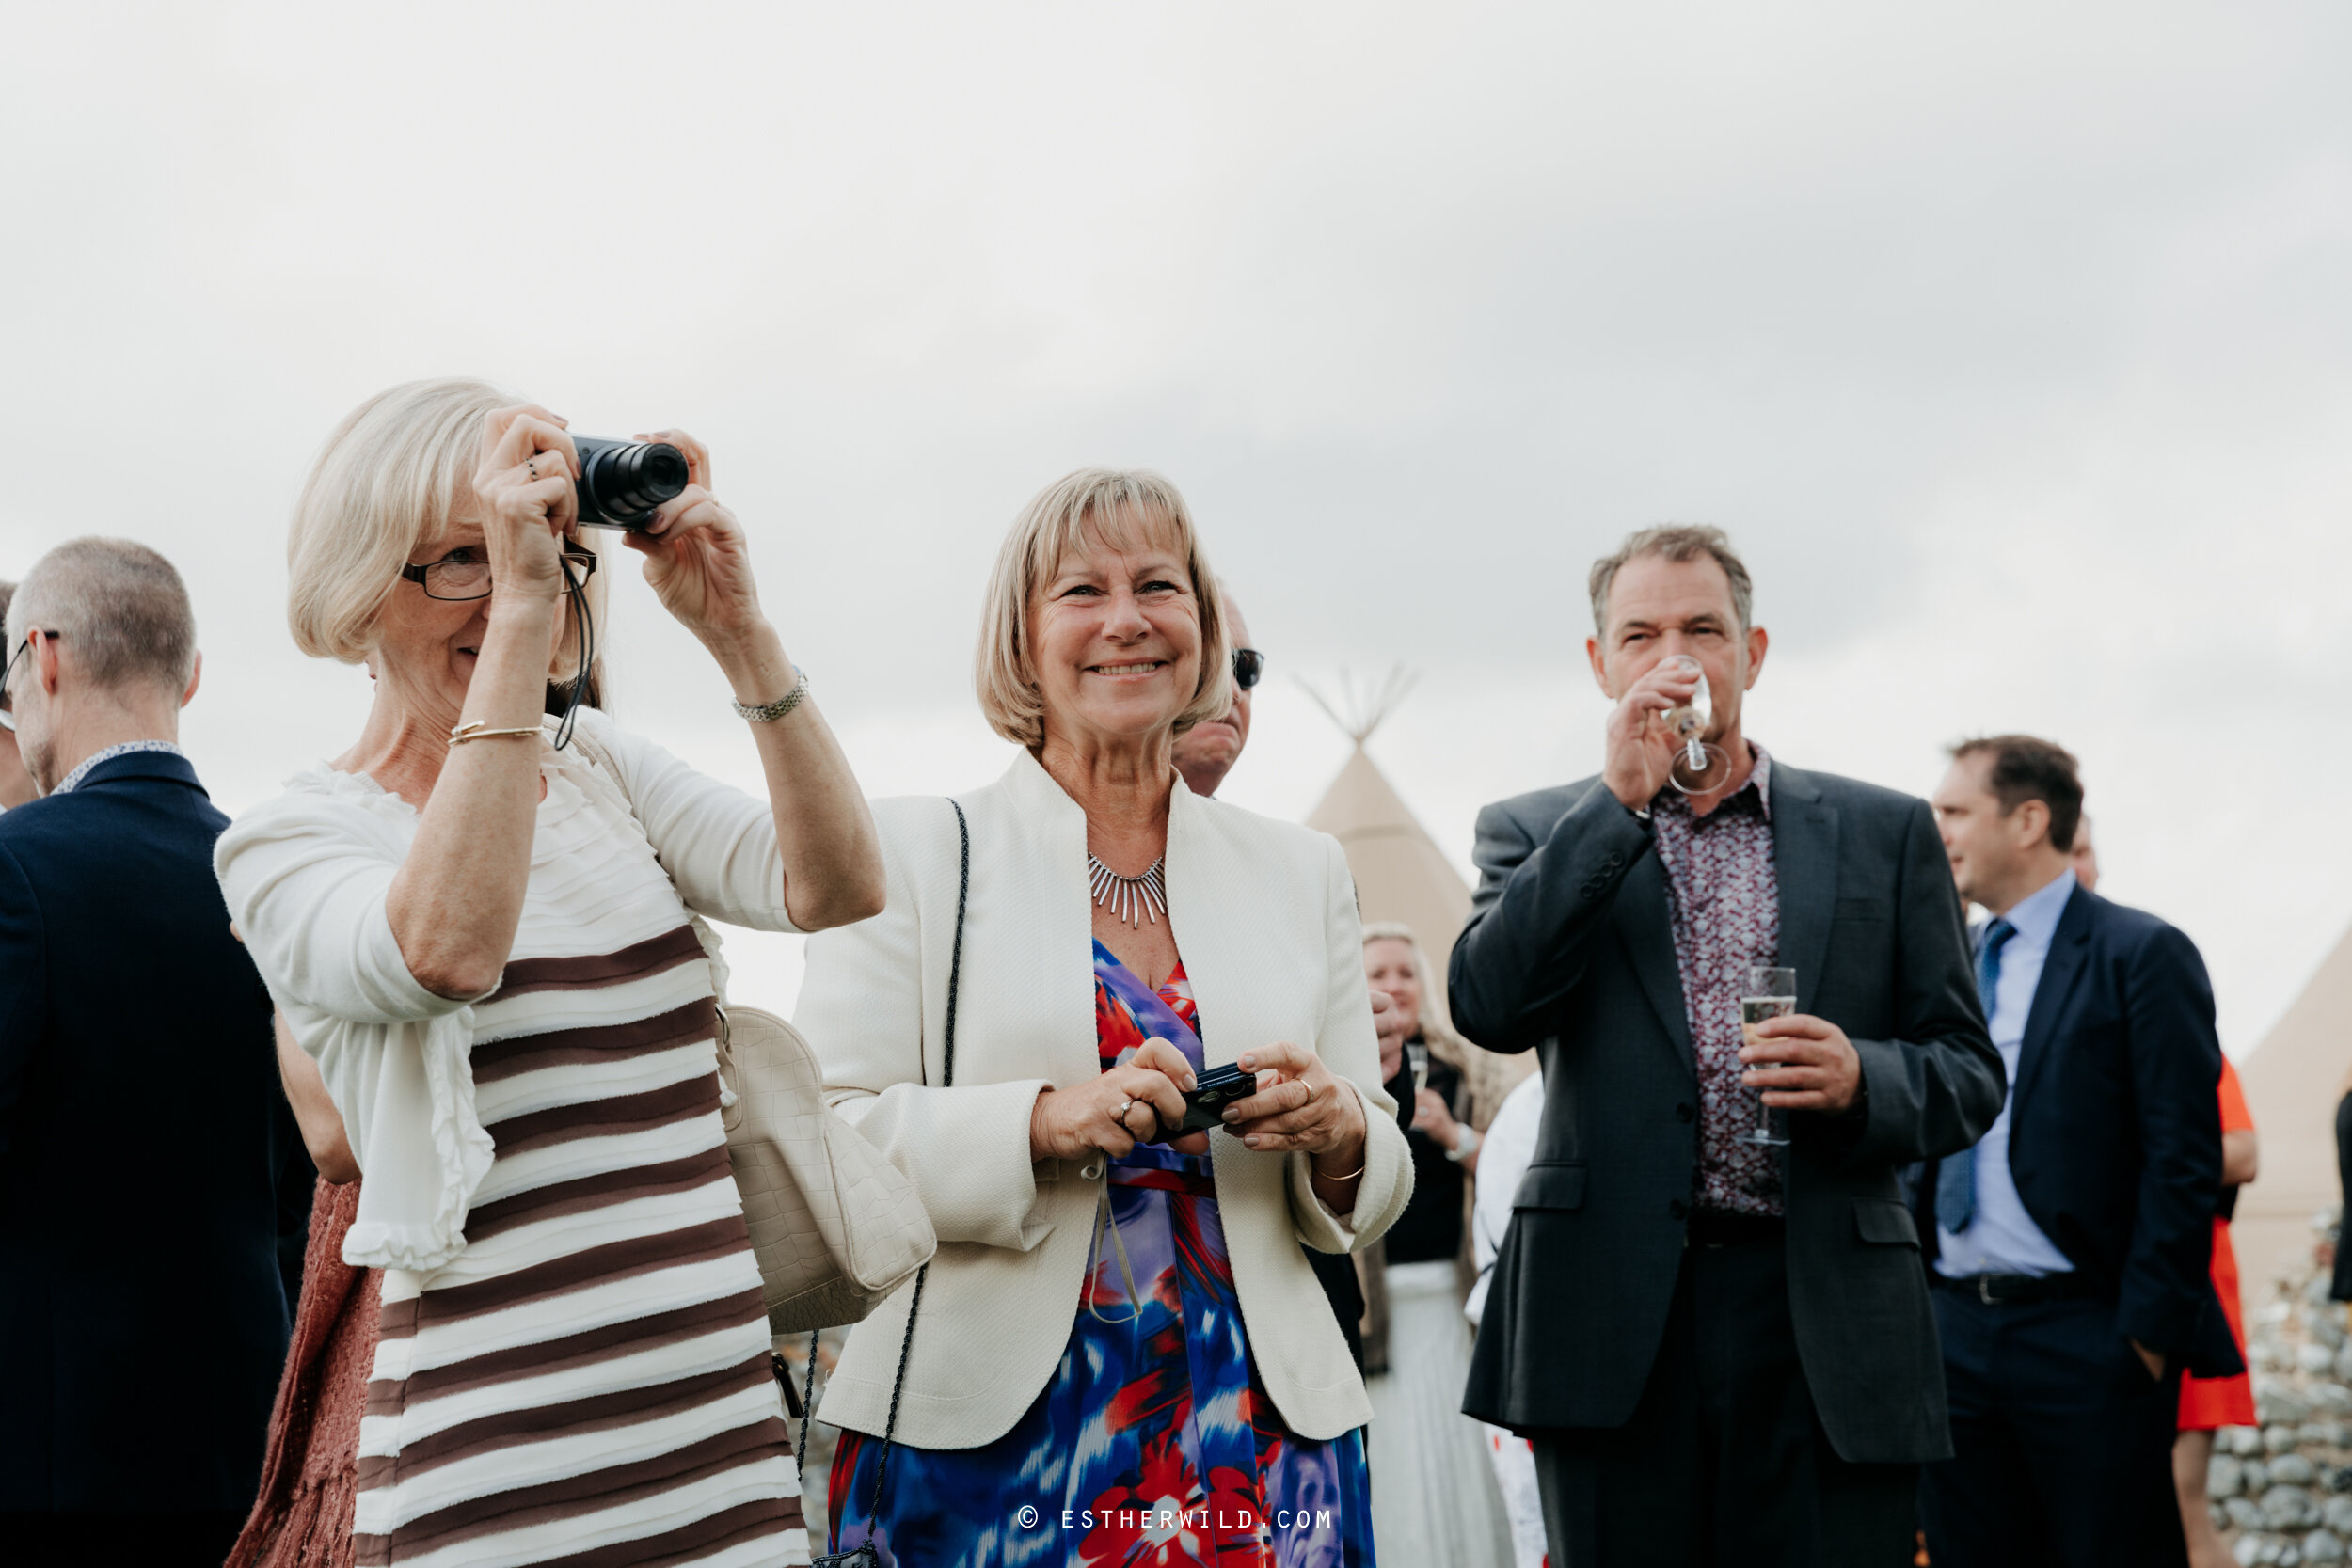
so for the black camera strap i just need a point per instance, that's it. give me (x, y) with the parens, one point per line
(864, 1555)
(576, 589)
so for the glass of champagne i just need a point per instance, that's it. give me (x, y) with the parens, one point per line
(1417, 1053)
(1771, 994)
(1699, 765)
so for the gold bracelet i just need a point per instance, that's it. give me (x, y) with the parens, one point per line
(1349, 1177)
(477, 731)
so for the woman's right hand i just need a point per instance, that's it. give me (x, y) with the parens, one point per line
(1072, 1123)
(524, 486)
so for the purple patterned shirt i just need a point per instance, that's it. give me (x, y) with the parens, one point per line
(1723, 899)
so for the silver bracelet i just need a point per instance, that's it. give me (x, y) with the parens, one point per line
(768, 713)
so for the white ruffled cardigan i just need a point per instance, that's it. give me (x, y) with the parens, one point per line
(306, 876)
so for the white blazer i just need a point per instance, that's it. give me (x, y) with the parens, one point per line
(1265, 917)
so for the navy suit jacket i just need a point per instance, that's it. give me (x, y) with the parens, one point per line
(143, 1143)
(2115, 1124)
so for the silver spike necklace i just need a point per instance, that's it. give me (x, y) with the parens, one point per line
(1129, 898)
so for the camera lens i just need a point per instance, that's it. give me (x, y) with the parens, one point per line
(620, 482)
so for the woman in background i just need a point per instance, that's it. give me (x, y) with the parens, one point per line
(311, 1472)
(1444, 1145)
(2211, 1403)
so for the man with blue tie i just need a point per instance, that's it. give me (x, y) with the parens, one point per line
(2072, 1244)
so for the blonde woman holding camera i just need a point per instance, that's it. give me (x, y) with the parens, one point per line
(1120, 1354)
(492, 945)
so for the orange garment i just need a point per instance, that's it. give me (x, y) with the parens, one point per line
(2207, 1402)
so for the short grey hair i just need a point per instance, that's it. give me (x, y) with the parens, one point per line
(121, 609)
(1677, 543)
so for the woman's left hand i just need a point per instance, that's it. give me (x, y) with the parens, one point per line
(695, 556)
(1299, 1105)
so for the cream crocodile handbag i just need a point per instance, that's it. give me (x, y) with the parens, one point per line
(835, 1226)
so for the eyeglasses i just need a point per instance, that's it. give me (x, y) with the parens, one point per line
(1248, 667)
(471, 579)
(8, 676)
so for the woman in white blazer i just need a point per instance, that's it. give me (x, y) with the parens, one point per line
(1120, 1342)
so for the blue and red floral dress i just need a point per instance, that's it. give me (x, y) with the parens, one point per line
(1154, 1445)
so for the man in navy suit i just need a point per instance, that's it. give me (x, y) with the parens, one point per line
(143, 1136)
(2072, 1244)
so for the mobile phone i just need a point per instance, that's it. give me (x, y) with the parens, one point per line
(1219, 1087)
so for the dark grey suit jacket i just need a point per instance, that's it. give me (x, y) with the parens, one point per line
(1568, 951)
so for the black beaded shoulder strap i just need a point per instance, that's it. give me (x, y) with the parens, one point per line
(946, 1079)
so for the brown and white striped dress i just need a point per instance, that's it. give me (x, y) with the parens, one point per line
(586, 1382)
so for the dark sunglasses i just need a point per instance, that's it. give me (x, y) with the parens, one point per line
(8, 703)
(1249, 668)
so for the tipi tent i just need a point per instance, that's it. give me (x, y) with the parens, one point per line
(1399, 872)
(2292, 1081)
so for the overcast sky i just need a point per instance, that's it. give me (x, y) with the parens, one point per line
(2011, 343)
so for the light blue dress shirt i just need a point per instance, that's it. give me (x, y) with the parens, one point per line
(2001, 1237)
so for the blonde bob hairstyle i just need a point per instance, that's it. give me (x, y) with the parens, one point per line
(387, 482)
(1436, 1024)
(1118, 508)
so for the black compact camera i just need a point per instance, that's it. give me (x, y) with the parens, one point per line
(1204, 1105)
(622, 483)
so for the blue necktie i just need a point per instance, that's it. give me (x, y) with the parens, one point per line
(1956, 1178)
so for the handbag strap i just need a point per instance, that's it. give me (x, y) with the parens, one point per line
(946, 1079)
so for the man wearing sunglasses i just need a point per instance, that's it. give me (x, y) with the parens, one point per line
(1204, 754)
(143, 1136)
(16, 785)
(1207, 752)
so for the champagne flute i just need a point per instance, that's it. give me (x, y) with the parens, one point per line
(1417, 1053)
(1771, 994)
(1700, 765)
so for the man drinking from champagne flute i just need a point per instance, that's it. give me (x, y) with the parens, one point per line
(1715, 1327)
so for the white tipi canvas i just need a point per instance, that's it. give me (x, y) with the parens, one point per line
(1402, 875)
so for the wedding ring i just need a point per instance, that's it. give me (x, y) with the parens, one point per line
(1119, 1116)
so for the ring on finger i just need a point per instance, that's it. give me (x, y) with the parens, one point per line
(531, 466)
